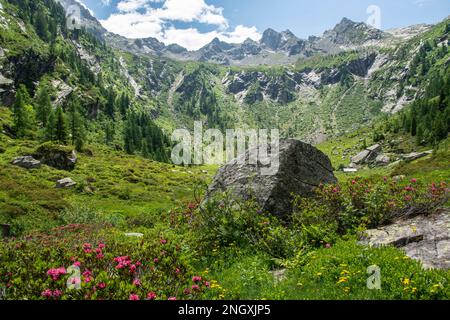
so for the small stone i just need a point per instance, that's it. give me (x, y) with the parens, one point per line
(134, 235)
(399, 178)
(65, 183)
(27, 162)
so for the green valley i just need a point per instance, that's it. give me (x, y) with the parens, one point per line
(87, 181)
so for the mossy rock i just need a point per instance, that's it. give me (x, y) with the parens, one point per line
(56, 156)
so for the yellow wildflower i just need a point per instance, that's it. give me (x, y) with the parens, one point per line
(342, 280)
(406, 282)
(435, 288)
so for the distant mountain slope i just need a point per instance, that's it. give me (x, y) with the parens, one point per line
(314, 89)
(274, 48)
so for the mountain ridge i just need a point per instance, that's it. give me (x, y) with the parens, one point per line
(274, 48)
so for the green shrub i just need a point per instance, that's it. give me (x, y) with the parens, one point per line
(366, 203)
(224, 221)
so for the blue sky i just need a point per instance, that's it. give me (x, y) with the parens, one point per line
(194, 23)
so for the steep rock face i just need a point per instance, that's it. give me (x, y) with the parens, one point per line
(302, 168)
(271, 39)
(357, 67)
(280, 88)
(87, 20)
(285, 86)
(348, 32)
(26, 68)
(157, 75)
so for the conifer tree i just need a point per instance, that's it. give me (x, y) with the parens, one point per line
(23, 113)
(50, 127)
(61, 130)
(76, 125)
(43, 105)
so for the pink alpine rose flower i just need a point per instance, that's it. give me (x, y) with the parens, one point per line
(151, 296)
(47, 293)
(134, 297)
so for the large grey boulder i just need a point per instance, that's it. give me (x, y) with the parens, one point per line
(27, 162)
(424, 238)
(58, 157)
(302, 168)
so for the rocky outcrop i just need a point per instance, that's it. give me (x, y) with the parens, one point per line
(27, 162)
(65, 183)
(424, 238)
(286, 86)
(25, 68)
(302, 168)
(367, 155)
(416, 155)
(382, 160)
(58, 157)
(63, 91)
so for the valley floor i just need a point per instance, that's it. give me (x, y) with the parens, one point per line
(118, 194)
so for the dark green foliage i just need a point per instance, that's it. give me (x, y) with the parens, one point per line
(61, 133)
(47, 16)
(43, 105)
(76, 125)
(82, 118)
(23, 113)
(427, 119)
(142, 135)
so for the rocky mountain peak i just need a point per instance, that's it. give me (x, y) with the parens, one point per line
(271, 39)
(285, 45)
(87, 19)
(288, 34)
(345, 23)
(350, 33)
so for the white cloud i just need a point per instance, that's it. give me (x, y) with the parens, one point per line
(131, 5)
(137, 19)
(190, 11)
(192, 39)
(240, 34)
(134, 25)
(422, 3)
